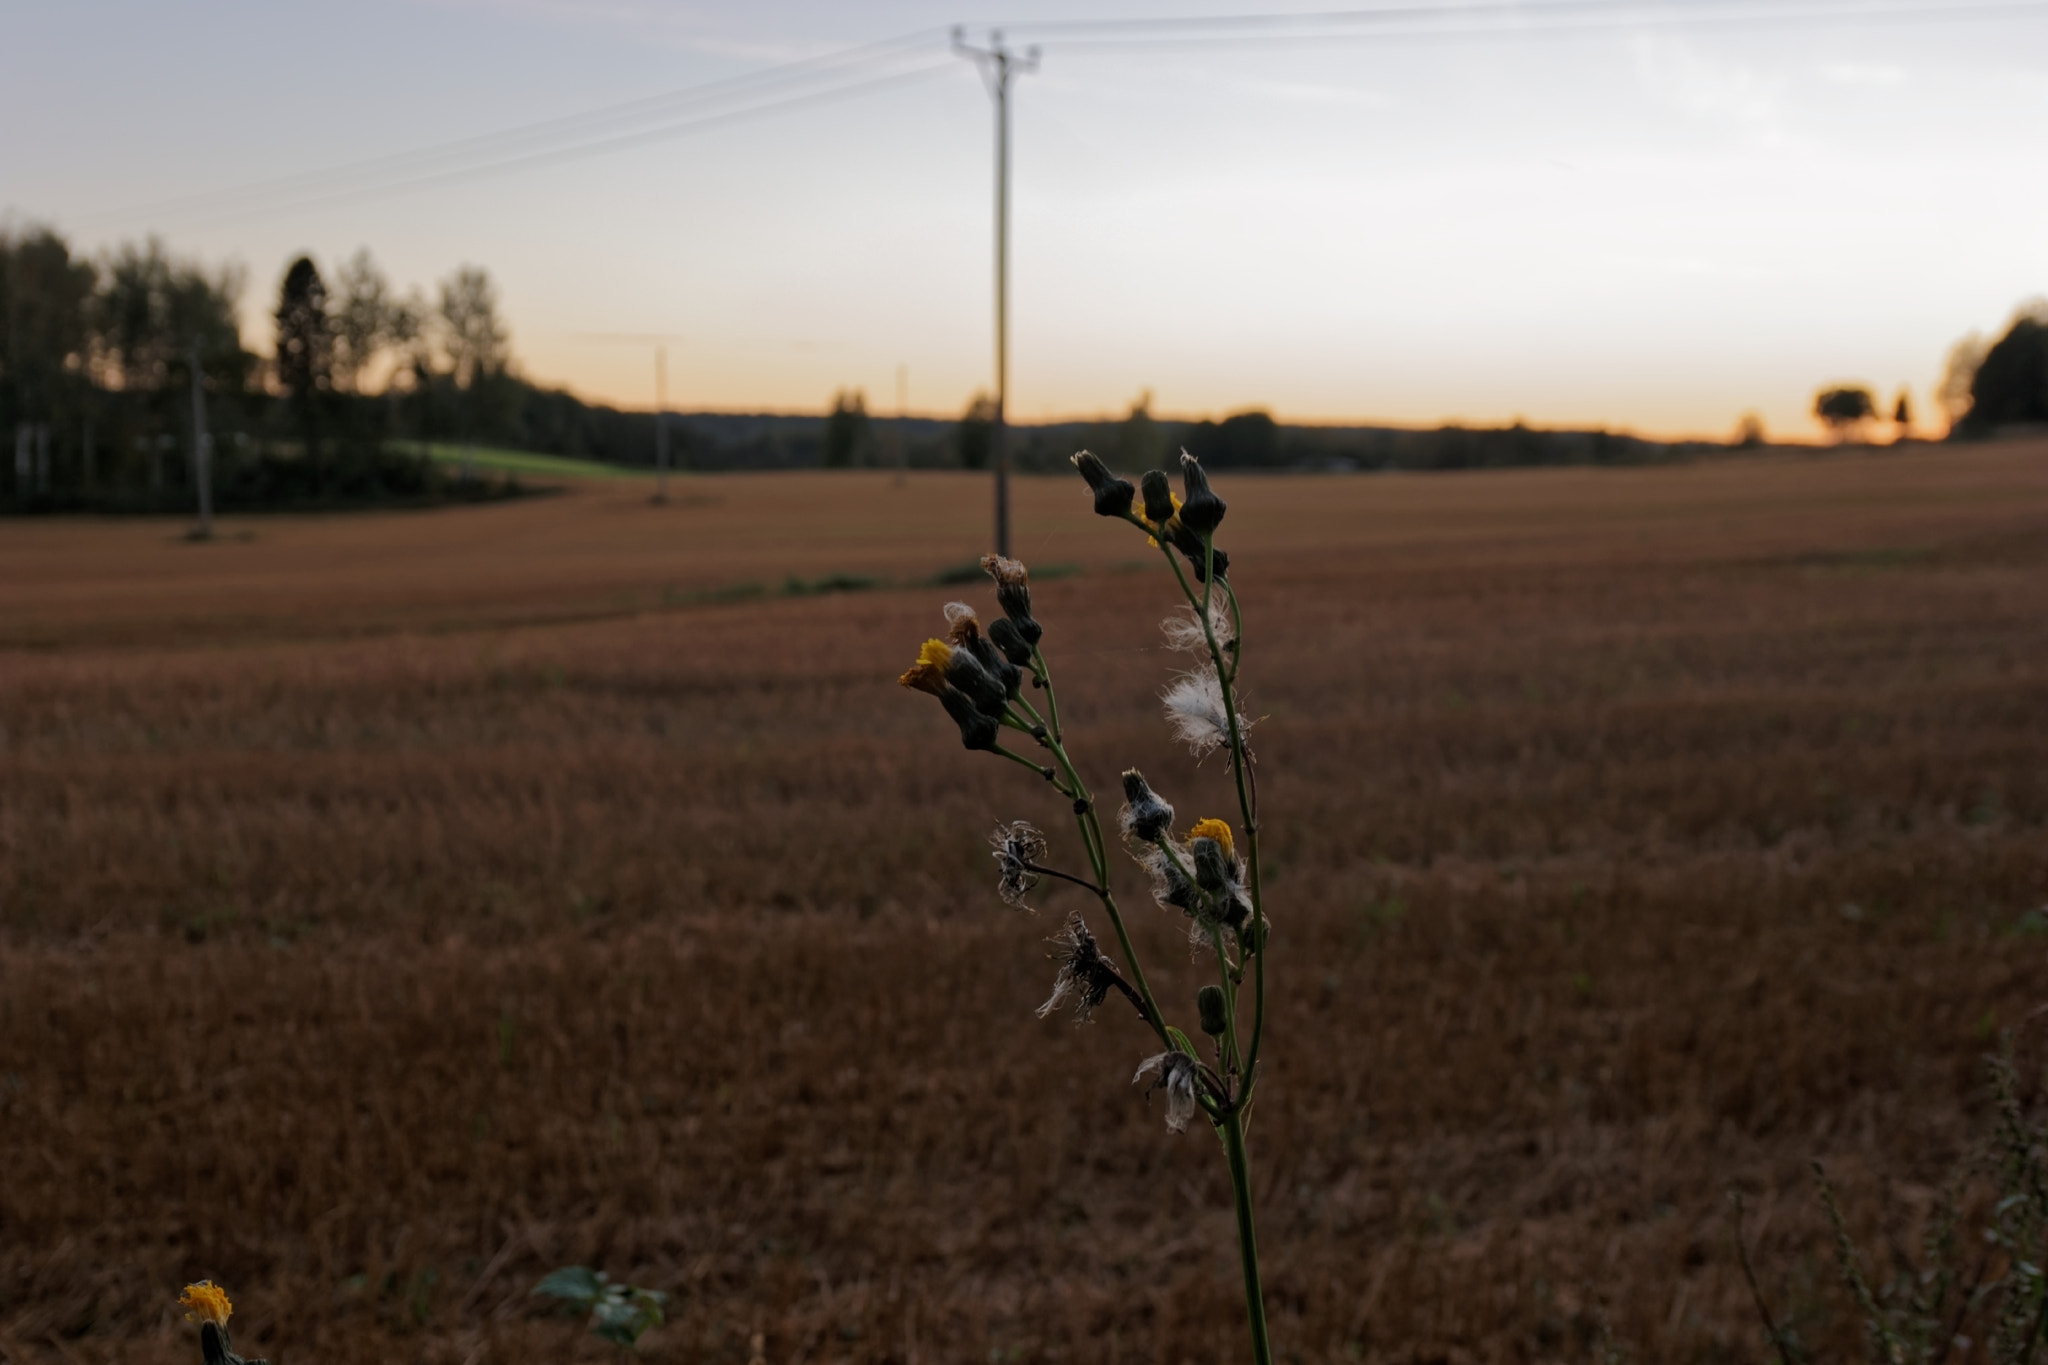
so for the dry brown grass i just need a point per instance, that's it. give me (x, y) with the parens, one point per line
(395, 908)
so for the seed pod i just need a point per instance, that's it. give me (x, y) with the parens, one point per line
(1209, 1006)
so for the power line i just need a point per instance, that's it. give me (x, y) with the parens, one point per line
(1491, 16)
(915, 56)
(790, 85)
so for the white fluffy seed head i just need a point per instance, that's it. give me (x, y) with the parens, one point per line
(1183, 629)
(1195, 710)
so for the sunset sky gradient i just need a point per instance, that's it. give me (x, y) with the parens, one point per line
(1650, 225)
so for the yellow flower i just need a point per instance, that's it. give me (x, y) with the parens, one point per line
(1162, 526)
(928, 674)
(1217, 830)
(206, 1302)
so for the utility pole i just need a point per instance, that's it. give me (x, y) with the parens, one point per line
(661, 423)
(202, 449)
(902, 403)
(997, 64)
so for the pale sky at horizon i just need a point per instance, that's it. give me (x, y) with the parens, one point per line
(1650, 226)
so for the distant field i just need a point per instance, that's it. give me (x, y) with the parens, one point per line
(524, 463)
(395, 907)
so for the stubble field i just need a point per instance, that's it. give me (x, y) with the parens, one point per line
(395, 908)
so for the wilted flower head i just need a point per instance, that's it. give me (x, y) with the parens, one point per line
(1219, 873)
(1194, 707)
(1173, 1072)
(938, 667)
(928, 674)
(1019, 848)
(1218, 832)
(206, 1302)
(1113, 496)
(1145, 816)
(1013, 594)
(1085, 975)
(1201, 511)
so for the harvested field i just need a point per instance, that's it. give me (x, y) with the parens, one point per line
(395, 908)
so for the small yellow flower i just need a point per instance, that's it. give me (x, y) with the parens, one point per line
(928, 674)
(1217, 830)
(206, 1302)
(1165, 527)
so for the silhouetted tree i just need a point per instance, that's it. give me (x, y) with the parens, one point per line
(43, 339)
(148, 309)
(1241, 439)
(305, 348)
(1749, 432)
(478, 350)
(2010, 384)
(849, 436)
(1845, 408)
(975, 437)
(1902, 412)
(368, 320)
(476, 341)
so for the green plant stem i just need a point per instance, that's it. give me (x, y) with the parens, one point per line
(1098, 853)
(1052, 703)
(1247, 1242)
(1240, 763)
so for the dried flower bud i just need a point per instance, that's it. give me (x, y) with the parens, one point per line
(978, 729)
(1145, 815)
(966, 636)
(966, 671)
(1159, 499)
(1209, 1008)
(1201, 511)
(1004, 635)
(1113, 496)
(1013, 594)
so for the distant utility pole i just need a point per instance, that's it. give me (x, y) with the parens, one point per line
(902, 403)
(661, 424)
(997, 64)
(658, 340)
(202, 448)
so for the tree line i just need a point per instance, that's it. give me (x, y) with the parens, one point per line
(107, 365)
(104, 361)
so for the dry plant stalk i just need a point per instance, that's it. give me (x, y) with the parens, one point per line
(979, 677)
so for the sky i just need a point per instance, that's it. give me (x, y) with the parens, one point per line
(1654, 218)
